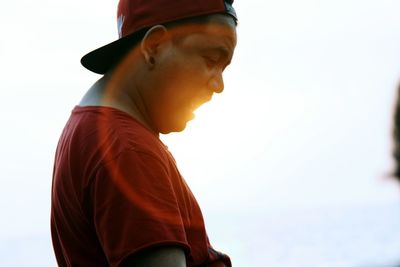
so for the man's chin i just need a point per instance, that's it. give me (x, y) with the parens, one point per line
(177, 126)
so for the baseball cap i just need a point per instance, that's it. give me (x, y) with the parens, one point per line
(134, 17)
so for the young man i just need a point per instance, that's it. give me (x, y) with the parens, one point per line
(117, 197)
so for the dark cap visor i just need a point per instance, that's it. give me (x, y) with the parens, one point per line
(104, 58)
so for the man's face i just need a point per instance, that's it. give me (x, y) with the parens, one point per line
(189, 71)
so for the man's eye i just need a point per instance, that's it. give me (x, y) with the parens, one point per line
(211, 62)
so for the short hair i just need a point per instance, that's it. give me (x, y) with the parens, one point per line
(134, 39)
(191, 20)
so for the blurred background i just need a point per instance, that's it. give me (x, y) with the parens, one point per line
(291, 163)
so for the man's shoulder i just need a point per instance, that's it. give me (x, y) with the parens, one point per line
(112, 130)
(97, 136)
(108, 121)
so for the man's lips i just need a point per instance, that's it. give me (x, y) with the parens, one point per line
(199, 101)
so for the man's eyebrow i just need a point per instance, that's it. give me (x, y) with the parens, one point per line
(222, 50)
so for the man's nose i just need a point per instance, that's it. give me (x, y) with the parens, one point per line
(216, 84)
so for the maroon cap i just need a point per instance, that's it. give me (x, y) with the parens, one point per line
(134, 16)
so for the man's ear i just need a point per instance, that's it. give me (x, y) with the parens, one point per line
(151, 42)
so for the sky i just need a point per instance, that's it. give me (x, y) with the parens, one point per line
(304, 122)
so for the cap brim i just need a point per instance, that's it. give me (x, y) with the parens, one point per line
(104, 58)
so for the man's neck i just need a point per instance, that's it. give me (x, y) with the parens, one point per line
(105, 92)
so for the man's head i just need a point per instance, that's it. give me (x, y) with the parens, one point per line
(175, 66)
(183, 68)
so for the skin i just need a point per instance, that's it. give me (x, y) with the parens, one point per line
(159, 257)
(161, 82)
(170, 74)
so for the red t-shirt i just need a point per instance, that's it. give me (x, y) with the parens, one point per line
(117, 191)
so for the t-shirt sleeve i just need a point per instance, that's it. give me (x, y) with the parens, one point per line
(135, 207)
(215, 257)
